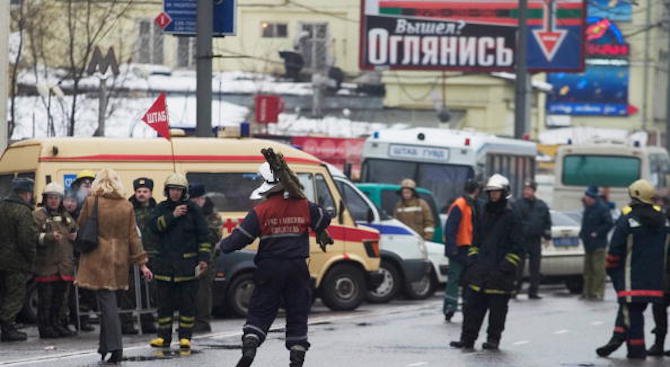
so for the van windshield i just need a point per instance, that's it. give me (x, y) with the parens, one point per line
(600, 170)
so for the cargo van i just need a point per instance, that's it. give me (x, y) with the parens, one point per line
(227, 168)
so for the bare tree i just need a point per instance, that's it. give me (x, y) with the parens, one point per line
(18, 20)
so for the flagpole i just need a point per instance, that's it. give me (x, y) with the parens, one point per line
(174, 158)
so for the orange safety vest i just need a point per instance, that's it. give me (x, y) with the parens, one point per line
(464, 236)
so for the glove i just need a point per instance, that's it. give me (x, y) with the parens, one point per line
(324, 239)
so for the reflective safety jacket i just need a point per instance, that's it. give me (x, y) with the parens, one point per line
(416, 214)
(181, 242)
(638, 254)
(283, 226)
(460, 227)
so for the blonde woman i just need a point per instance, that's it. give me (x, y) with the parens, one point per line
(105, 269)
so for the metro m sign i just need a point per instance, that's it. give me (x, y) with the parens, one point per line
(475, 35)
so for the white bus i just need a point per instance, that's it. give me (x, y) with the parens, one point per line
(607, 164)
(442, 160)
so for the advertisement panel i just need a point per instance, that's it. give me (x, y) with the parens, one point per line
(616, 10)
(336, 151)
(476, 35)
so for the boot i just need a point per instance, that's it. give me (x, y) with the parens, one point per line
(11, 334)
(184, 347)
(250, 343)
(62, 329)
(449, 315)
(297, 356)
(656, 350)
(491, 344)
(461, 344)
(116, 357)
(610, 347)
(636, 352)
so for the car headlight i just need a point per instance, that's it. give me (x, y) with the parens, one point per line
(423, 249)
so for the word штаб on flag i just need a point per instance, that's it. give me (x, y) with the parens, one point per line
(157, 117)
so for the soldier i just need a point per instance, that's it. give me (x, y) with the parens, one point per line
(493, 261)
(636, 264)
(54, 270)
(414, 211)
(214, 223)
(143, 204)
(182, 251)
(459, 232)
(282, 222)
(18, 246)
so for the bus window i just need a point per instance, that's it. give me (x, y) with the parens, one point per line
(445, 181)
(659, 169)
(388, 171)
(600, 170)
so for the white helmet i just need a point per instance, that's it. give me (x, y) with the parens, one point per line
(270, 182)
(497, 182)
(54, 188)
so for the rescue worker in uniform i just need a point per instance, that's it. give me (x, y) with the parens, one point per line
(414, 211)
(203, 303)
(54, 270)
(283, 224)
(536, 224)
(183, 249)
(18, 246)
(492, 265)
(636, 264)
(143, 204)
(459, 236)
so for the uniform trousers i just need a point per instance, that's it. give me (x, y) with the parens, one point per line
(477, 305)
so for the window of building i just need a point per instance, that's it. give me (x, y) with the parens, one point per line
(186, 52)
(150, 43)
(274, 30)
(313, 43)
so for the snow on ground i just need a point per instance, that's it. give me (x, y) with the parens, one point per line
(125, 121)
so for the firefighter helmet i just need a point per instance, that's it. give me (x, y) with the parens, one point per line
(408, 183)
(270, 182)
(642, 191)
(497, 182)
(54, 188)
(176, 180)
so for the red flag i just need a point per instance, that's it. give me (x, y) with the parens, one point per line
(157, 117)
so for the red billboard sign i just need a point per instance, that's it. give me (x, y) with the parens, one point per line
(268, 108)
(336, 151)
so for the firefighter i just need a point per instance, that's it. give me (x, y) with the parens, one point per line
(182, 252)
(203, 306)
(459, 232)
(636, 264)
(143, 204)
(283, 224)
(492, 264)
(414, 211)
(54, 270)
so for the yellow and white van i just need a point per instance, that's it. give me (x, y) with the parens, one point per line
(227, 168)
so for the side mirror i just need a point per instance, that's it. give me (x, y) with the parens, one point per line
(331, 211)
(371, 216)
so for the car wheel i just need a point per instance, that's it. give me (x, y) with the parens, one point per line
(343, 288)
(239, 294)
(423, 288)
(389, 287)
(575, 285)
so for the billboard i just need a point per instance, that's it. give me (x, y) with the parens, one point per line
(336, 151)
(616, 10)
(476, 35)
(602, 89)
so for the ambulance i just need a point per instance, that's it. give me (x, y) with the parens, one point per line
(227, 168)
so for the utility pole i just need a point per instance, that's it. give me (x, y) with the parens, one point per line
(645, 71)
(667, 94)
(102, 106)
(4, 72)
(521, 109)
(204, 28)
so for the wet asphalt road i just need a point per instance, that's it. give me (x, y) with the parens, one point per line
(559, 330)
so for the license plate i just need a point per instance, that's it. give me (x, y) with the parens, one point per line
(566, 241)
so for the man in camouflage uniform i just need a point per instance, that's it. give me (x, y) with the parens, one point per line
(143, 203)
(18, 246)
(203, 301)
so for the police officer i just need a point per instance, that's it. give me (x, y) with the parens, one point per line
(214, 223)
(18, 246)
(459, 235)
(636, 263)
(493, 260)
(143, 204)
(183, 249)
(414, 211)
(283, 225)
(536, 224)
(54, 270)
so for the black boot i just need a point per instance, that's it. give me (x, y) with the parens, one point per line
(11, 334)
(491, 344)
(636, 352)
(449, 315)
(461, 344)
(116, 357)
(62, 329)
(250, 343)
(610, 347)
(297, 356)
(656, 350)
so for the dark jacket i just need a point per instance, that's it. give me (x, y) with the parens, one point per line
(142, 217)
(181, 242)
(494, 257)
(283, 226)
(535, 220)
(452, 249)
(639, 249)
(596, 219)
(214, 222)
(18, 235)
